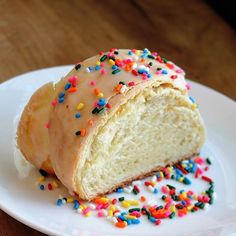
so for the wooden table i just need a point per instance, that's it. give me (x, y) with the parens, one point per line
(36, 34)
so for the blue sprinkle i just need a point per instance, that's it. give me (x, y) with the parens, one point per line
(135, 221)
(77, 115)
(61, 95)
(187, 181)
(119, 190)
(102, 102)
(90, 68)
(114, 67)
(67, 86)
(129, 222)
(123, 213)
(121, 218)
(141, 71)
(181, 191)
(130, 52)
(155, 191)
(179, 172)
(59, 202)
(61, 100)
(191, 99)
(144, 55)
(97, 67)
(164, 72)
(149, 76)
(41, 186)
(152, 219)
(76, 204)
(145, 50)
(184, 202)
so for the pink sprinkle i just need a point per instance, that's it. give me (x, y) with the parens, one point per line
(109, 54)
(103, 71)
(92, 83)
(129, 60)
(102, 64)
(180, 214)
(95, 104)
(73, 79)
(164, 189)
(206, 168)
(54, 103)
(158, 72)
(100, 214)
(154, 53)
(179, 71)
(47, 125)
(190, 193)
(188, 87)
(86, 210)
(99, 206)
(145, 77)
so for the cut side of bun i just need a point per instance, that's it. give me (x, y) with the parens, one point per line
(155, 128)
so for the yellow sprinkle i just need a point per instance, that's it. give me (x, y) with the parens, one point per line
(194, 106)
(153, 183)
(184, 165)
(55, 184)
(111, 62)
(195, 197)
(125, 204)
(130, 217)
(82, 207)
(190, 207)
(169, 169)
(110, 213)
(98, 63)
(88, 214)
(133, 202)
(137, 52)
(41, 179)
(70, 200)
(184, 194)
(181, 179)
(161, 174)
(172, 208)
(203, 193)
(80, 106)
(112, 208)
(100, 95)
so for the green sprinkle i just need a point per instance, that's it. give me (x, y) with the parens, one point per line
(116, 71)
(158, 68)
(170, 186)
(135, 191)
(77, 133)
(121, 199)
(208, 161)
(116, 52)
(164, 60)
(95, 110)
(172, 215)
(151, 56)
(103, 58)
(134, 209)
(78, 66)
(121, 82)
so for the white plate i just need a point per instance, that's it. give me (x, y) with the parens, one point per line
(21, 199)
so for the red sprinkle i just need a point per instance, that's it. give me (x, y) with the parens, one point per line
(134, 72)
(207, 179)
(131, 83)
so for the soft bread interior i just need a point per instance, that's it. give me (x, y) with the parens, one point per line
(155, 128)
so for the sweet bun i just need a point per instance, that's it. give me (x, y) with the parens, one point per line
(116, 117)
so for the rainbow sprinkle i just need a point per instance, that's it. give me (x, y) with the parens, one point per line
(123, 211)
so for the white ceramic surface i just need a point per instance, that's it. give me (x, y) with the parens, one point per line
(20, 197)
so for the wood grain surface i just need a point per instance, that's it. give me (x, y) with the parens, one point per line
(36, 34)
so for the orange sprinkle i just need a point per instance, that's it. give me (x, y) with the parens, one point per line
(142, 199)
(83, 132)
(72, 89)
(121, 224)
(142, 60)
(90, 122)
(118, 87)
(96, 91)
